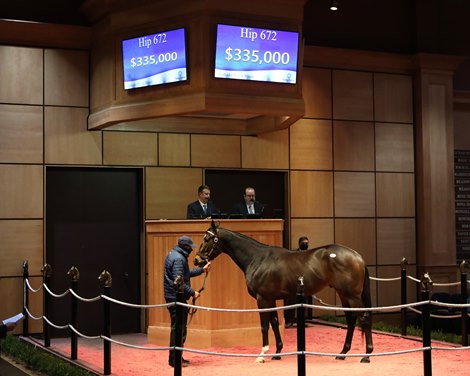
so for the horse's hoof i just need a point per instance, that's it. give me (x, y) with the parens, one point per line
(340, 358)
(277, 357)
(366, 359)
(259, 359)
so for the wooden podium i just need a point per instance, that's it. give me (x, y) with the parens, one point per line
(225, 286)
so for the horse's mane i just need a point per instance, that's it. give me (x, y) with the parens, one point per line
(240, 235)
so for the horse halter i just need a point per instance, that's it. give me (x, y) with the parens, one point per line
(215, 240)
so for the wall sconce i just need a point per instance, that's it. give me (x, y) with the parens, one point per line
(334, 5)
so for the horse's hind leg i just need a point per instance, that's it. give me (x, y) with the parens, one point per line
(351, 321)
(366, 324)
(274, 320)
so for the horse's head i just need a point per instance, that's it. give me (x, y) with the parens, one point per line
(208, 249)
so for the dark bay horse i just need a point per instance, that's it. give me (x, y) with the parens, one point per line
(272, 273)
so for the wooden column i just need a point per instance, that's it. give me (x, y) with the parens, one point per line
(434, 162)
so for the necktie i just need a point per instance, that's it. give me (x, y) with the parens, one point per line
(251, 211)
(204, 207)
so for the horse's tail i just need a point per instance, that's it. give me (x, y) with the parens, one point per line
(366, 319)
(365, 296)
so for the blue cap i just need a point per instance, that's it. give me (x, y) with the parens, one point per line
(186, 240)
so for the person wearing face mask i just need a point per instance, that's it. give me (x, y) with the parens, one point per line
(303, 243)
(289, 314)
(176, 264)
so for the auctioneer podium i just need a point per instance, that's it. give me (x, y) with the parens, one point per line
(225, 286)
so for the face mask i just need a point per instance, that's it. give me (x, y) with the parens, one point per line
(303, 246)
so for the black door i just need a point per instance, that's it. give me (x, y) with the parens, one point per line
(93, 222)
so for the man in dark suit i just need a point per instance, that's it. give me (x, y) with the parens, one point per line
(249, 205)
(202, 207)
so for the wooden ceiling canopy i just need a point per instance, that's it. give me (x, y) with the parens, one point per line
(202, 103)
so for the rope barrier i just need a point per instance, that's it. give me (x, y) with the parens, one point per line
(413, 278)
(398, 352)
(295, 353)
(324, 306)
(385, 279)
(81, 334)
(31, 315)
(55, 326)
(138, 305)
(304, 305)
(136, 346)
(33, 290)
(90, 300)
(446, 284)
(450, 305)
(450, 348)
(66, 292)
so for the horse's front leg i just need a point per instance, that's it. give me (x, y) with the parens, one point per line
(274, 320)
(264, 319)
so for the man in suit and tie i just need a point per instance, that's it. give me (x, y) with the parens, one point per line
(249, 205)
(202, 207)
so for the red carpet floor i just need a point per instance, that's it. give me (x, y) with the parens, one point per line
(320, 338)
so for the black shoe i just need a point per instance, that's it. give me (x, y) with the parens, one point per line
(289, 324)
(183, 364)
(185, 361)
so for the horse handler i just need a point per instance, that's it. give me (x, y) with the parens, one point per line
(176, 264)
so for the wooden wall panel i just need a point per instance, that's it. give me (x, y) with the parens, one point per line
(319, 231)
(354, 194)
(21, 190)
(20, 240)
(353, 146)
(67, 141)
(267, 150)
(128, 148)
(396, 238)
(395, 195)
(394, 147)
(393, 98)
(311, 145)
(215, 151)
(66, 78)
(174, 149)
(170, 190)
(21, 134)
(352, 96)
(102, 79)
(311, 194)
(462, 129)
(390, 291)
(21, 72)
(11, 291)
(358, 234)
(316, 91)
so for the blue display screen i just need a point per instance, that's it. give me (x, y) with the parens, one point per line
(154, 59)
(246, 53)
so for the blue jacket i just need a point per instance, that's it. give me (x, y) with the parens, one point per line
(176, 264)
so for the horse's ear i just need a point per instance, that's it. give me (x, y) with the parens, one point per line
(215, 224)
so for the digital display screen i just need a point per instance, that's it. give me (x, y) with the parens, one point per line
(154, 59)
(246, 53)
